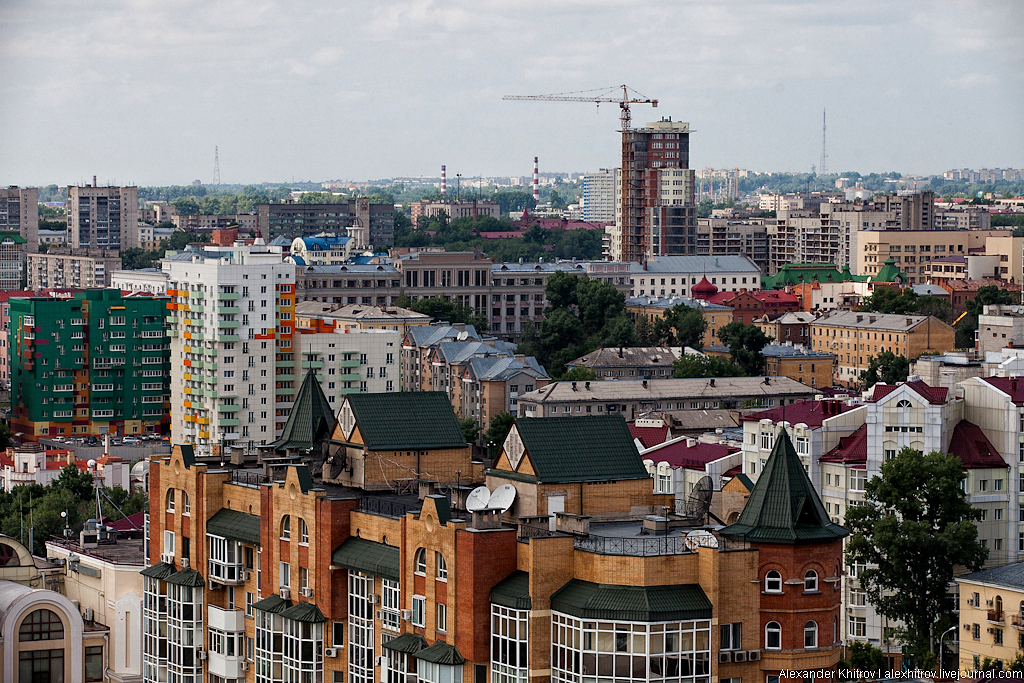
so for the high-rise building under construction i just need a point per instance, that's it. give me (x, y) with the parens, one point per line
(657, 210)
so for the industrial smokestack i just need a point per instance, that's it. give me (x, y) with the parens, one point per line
(536, 181)
(94, 181)
(444, 181)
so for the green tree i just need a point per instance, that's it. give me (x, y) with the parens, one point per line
(693, 365)
(885, 367)
(914, 526)
(561, 289)
(682, 326)
(497, 431)
(186, 206)
(890, 300)
(864, 657)
(181, 239)
(74, 480)
(135, 258)
(745, 344)
(935, 306)
(619, 331)
(470, 429)
(560, 334)
(440, 308)
(579, 374)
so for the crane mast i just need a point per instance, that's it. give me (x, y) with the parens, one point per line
(630, 185)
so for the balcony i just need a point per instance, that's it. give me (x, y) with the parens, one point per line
(227, 337)
(350, 364)
(226, 619)
(196, 308)
(229, 409)
(1017, 621)
(227, 324)
(229, 310)
(307, 364)
(227, 296)
(349, 377)
(996, 616)
(229, 422)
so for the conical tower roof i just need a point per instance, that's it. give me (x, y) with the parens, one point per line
(889, 272)
(704, 289)
(311, 419)
(783, 507)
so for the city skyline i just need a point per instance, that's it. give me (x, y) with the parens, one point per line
(143, 93)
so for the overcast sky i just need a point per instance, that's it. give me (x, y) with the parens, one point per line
(142, 90)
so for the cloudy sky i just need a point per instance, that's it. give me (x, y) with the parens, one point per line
(142, 90)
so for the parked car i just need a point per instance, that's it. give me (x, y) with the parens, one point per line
(59, 439)
(92, 441)
(131, 441)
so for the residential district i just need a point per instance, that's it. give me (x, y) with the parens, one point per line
(295, 448)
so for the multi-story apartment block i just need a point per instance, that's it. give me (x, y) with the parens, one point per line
(657, 209)
(418, 374)
(321, 250)
(911, 248)
(231, 317)
(677, 275)
(639, 362)
(5, 324)
(600, 195)
(991, 617)
(352, 283)
(749, 307)
(632, 398)
(802, 236)
(103, 217)
(492, 384)
(12, 260)
(854, 338)
(732, 237)
(150, 280)
(19, 212)
(205, 223)
(792, 327)
(471, 208)
(800, 363)
(93, 364)
(63, 267)
(30, 463)
(303, 580)
(359, 317)
(367, 224)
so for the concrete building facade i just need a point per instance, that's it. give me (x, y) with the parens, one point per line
(103, 217)
(64, 267)
(19, 212)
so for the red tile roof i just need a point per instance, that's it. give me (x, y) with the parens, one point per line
(852, 449)
(934, 395)
(135, 521)
(1008, 385)
(4, 296)
(649, 436)
(678, 453)
(973, 448)
(811, 413)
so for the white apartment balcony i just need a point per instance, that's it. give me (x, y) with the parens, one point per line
(232, 622)
(226, 619)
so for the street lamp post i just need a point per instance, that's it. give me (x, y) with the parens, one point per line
(942, 650)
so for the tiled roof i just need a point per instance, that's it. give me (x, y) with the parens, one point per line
(810, 413)
(586, 448)
(1011, 576)
(631, 603)
(783, 507)
(136, 521)
(273, 603)
(160, 570)
(1008, 385)
(678, 453)
(304, 611)
(310, 420)
(973, 448)
(513, 591)
(648, 436)
(851, 450)
(441, 653)
(409, 643)
(368, 557)
(187, 577)
(624, 357)
(235, 525)
(934, 395)
(399, 421)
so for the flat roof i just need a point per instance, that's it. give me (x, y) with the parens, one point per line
(655, 389)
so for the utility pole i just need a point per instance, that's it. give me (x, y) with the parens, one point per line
(823, 166)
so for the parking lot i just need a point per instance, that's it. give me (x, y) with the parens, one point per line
(131, 452)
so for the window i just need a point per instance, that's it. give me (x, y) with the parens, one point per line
(732, 636)
(442, 617)
(903, 403)
(767, 441)
(303, 532)
(94, 663)
(170, 500)
(810, 581)
(419, 610)
(442, 568)
(857, 479)
(43, 666)
(509, 644)
(772, 636)
(997, 636)
(810, 635)
(858, 627)
(858, 598)
(286, 528)
(186, 507)
(976, 631)
(286, 575)
(168, 542)
(42, 624)
(421, 562)
(773, 582)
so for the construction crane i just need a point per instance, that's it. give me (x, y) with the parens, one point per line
(630, 186)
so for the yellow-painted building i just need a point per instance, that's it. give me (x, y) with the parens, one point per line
(991, 616)
(651, 309)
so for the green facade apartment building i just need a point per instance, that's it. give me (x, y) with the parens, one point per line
(95, 364)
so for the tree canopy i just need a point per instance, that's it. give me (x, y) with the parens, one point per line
(681, 325)
(987, 296)
(745, 344)
(914, 526)
(440, 308)
(501, 424)
(693, 365)
(885, 367)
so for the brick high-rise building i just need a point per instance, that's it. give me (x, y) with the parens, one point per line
(657, 213)
(103, 217)
(366, 223)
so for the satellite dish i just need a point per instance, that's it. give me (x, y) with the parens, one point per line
(91, 464)
(503, 497)
(700, 538)
(462, 336)
(478, 498)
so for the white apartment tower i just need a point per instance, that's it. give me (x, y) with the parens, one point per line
(225, 337)
(600, 195)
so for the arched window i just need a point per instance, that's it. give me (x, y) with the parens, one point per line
(773, 582)
(903, 403)
(43, 624)
(810, 635)
(772, 636)
(286, 528)
(442, 568)
(170, 500)
(810, 580)
(9, 558)
(186, 507)
(999, 606)
(303, 532)
(421, 562)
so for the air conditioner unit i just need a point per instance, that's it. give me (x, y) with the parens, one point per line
(724, 657)
(306, 592)
(286, 593)
(246, 575)
(374, 599)
(970, 602)
(988, 602)
(201, 655)
(244, 666)
(967, 627)
(87, 614)
(184, 563)
(740, 656)
(990, 630)
(406, 615)
(753, 655)
(167, 557)
(380, 661)
(331, 652)
(379, 614)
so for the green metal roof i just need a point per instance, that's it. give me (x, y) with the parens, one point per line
(631, 603)
(13, 236)
(441, 653)
(797, 273)
(368, 557)
(783, 507)
(304, 611)
(238, 526)
(889, 272)
(160, 570)
(745, 480)
(513, 591)
(398, 421)
(409, 643)
(187, 577)
(311, 419)
(188, 455)
(273, 603)
(586, 448)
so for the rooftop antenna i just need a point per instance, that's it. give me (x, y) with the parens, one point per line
(216, 165)
(823, 166)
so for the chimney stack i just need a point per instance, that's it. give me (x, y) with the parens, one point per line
(94, 182)
(444, 181)
(536, 181)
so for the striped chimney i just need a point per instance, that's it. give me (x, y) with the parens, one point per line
(536, 181)
(444, 181)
